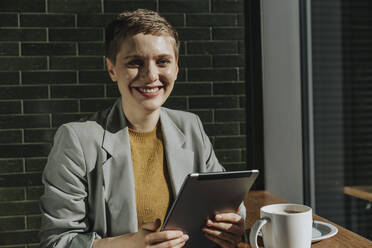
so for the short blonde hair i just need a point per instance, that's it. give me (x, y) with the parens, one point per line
(134, 22)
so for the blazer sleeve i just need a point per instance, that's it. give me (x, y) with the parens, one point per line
(63, 204)
(212, 163)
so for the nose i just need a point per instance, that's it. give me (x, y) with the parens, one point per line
(150, 72)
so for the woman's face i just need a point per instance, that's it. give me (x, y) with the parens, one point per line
(145, 70)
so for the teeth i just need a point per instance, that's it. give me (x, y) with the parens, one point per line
(149, 90)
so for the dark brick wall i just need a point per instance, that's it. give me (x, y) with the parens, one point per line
(52, 71)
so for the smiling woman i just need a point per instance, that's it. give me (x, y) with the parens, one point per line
(110, 179)
(145, 70)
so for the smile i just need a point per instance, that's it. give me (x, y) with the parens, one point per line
(149, 91)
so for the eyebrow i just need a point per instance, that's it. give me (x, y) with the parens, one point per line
(139, 56)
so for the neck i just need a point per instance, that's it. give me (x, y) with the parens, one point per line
(140, 121)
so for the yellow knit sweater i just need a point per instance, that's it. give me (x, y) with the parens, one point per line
(153, 192)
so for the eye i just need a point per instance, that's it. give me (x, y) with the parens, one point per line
(135, 63)
(163, 62)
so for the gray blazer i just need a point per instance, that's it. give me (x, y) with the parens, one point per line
(89, 183)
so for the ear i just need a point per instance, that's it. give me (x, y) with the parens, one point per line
(111, 70)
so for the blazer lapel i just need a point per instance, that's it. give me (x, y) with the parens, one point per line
(180, 161)
(118, 174)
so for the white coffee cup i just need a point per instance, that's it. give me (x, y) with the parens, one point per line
(283, 226)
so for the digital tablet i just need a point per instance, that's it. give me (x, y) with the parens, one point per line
(203, 195)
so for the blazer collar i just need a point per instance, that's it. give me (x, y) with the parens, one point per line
(180, 160)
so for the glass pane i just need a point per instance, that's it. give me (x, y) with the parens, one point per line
(342, 91)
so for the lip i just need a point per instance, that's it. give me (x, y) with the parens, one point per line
(141, 91)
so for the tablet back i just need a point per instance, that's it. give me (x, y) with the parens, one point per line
(203, 195)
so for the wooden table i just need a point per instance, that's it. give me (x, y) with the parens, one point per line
(362, 192)
(344, 238)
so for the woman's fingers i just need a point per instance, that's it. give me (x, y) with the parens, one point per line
(222, 243)
(168, 237)
(174, 243)
(226, 226)
(223, 235)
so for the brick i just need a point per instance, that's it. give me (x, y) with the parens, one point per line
(12, 223)
(7, 77)
(228, 155)
(8, 20)
(228, 60)
(212, 74)
(9, 49)
(23, 150)
(47, 49)
(213, 102)
(22, 63)
(11, 165)
(48, 106)
(177, 20)
(10, 136)
(24, 121)
(191, 89)
(184, 6)
(59, 119)
(11, 107)
(241, 20)
(21, 180)
(243, 129)
(204, 115)
(47, 20)
(78, 91)
(34, 193)
(69, 63)
(195, 61)
(74, 6)
(241, 47)
(94, 20)
(11, 194)
(230, 115)
(241, 74)
(112, 90)
(34, 222)
(211, 20)
(194, 33)
(116, 6)
(92, 49)
(221, 129)
(30, 34)
(235, 166)
(11, 238)
(228, 6)
(95, 104)
(242, 101)
(48, 77)
(76, 34)
(212, 47)
(231, 142)
(25, 92)
(23, 6)
(93, 77)
(228, 33)
(35, 164)
(39, 135)
(229, 88)
(176, 103)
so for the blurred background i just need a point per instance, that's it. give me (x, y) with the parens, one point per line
(280, 86)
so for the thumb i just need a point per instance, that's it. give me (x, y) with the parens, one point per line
(152, 226)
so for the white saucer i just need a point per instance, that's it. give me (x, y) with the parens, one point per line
(322, 230)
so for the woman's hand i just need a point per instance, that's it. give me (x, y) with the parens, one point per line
(226, 230)
(146, 237)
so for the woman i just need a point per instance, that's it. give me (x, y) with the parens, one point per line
(110, 179)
